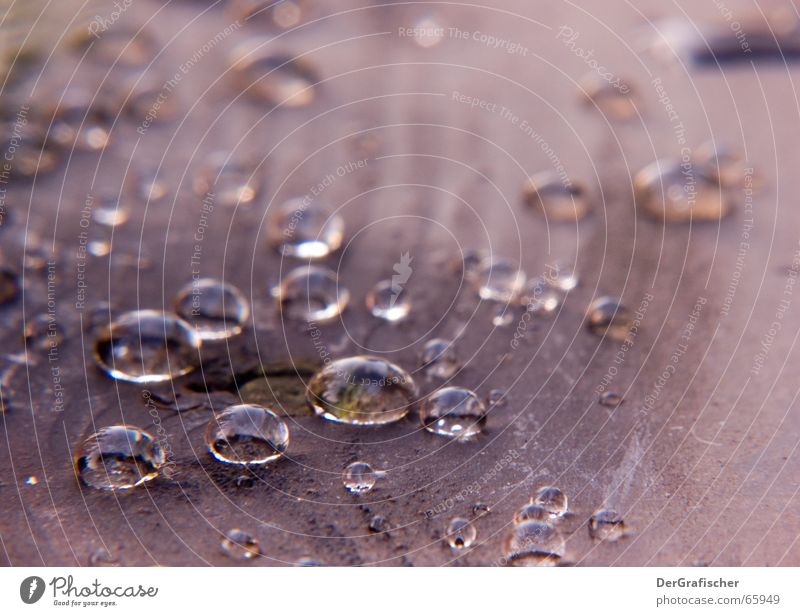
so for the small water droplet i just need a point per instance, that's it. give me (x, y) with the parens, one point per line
(278, 79)
(453, 411)
(427, 32)
(534, 537)
(247, 435)
(118, 458)
(148, 184)
(531, 511)
(234, 182)
(679, 191)
(497, 398)
(240, 545)
(304, 230)
(311, 293)
(606, 525)
(502, 315)
(460, 534)
(98, 248)
(361, 390)
(378, 524)
(42, 332)
(610, 399)
(9, 286)
(552, 499)
(439, 359)
(561, 276)
(147, 346)
(614, 99)
(607, 316)
(360, 477)
(307, 561)
(215, 309)
(32, 480)
(388, 302)
(541, 298)
(500, 280)
(559, 199)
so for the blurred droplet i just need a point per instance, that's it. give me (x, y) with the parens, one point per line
(311, 293)
(276, 78)
(606, 525)
(240, 545)
(558, 198)
(610, 399)
(615, 98)
(439, 359)
(388, 301)
(232, 182)
(500, 280)
(9, 286)
(305, 230)
(215, 309)
(608, 317)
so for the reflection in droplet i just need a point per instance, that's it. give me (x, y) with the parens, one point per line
(615, 99)
(305, 230)
(500, 280)
(247, 435)
(439, 359)
(552, 499)
(215, 309)
(460, 534)
(278, 79)
(606, 525)
(147, 346)
(240, 545)
(679, 191)
(360, 477)
(361, 390)
(608, 317)
(388, 301)
(610, 399)
(455, 412)
(233, 181)
(311, 293)
(118, 458)
(559, 199)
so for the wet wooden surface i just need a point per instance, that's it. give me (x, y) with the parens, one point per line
(703, 465)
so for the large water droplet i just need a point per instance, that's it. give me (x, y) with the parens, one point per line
(147, 346)
(606, 525)
(552, 499)
(215, 309)
(304, 230)
(460, 533)
(678, 192)
(559, 199)
(278, 79)
(311, 293)
(534, 537)
(439, 359)
(118, 458)
(240, 545)
(360, 477)
(388, 301)
(232, 181)
(607, 316)
(247, 435)
(361, 390)
(500, 280)
(455, 412)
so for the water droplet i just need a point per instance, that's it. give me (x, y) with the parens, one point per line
(497, 398)
(531, 511)
(553, 500)
(470, 263)
(378, 524)
(540, 298)
(388, 302)
(127, 46)
(233, 181)
(247, 435)
(453, 411)
(360, 477)
(427, 32)
(118, 458)
(147, 346)
(607, 316)
(278, 79)
(80, 123)
(561, 276)
(240, 545)
(678, 192)
(9, 286)
(361, 390)
(534, 537)
(32, 480)
(286, 14)
(439, 359)
(533, 558)
(559, 199)
(606, 525)
(500, 280)
(147, 184)
(614, 99)
(460, 533)
(610, 399)
(311, 293)
(98, 248)
(502, 315)
(215, 309)
(42, 332)
(479, 509)
(307, 561)
(108, 212)
(305, 231)
(721, 163)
